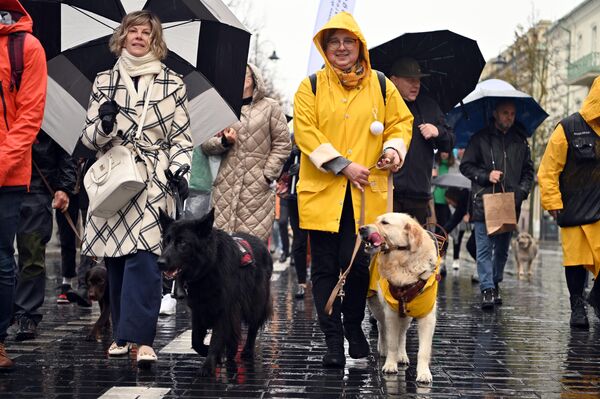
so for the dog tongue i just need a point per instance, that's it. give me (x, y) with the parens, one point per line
(375, 239)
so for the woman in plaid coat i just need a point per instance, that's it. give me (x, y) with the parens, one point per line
(130, 241)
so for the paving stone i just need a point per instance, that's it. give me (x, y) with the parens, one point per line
(523, 349)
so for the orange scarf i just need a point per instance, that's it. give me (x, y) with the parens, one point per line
(351, 77)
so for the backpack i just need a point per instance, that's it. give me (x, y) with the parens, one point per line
(16, 42)
(380, 77)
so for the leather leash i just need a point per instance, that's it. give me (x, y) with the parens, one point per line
(338, 289)
(65, 212)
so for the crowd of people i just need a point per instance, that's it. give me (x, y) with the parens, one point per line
(352, 126)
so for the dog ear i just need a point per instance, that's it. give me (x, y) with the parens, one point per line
(205, 224)
(164, 219)
(415, 238)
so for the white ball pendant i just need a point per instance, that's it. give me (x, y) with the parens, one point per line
(376, 128)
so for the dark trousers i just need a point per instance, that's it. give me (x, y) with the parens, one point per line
(457, 242)
(68, 240)
(442, 213)
(576, 278)
(283, 225)
(472, 246)
(135, 293)
(35, 231)
(331, 253)
(299, 243)
(85, 262)
(418, 209)
(10, 211)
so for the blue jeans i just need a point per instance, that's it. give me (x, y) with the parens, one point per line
(10, 208)
(492, 253)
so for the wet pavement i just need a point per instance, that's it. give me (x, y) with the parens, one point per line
(523, 349)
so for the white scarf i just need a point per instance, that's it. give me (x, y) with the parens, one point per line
(147, 67)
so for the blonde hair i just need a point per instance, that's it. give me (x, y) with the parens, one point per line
(157, 43)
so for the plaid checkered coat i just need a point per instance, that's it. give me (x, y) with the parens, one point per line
(165, 143)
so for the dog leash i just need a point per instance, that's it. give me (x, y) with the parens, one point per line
(65, 212)
(338, 289)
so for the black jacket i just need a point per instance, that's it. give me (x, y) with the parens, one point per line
(490, 149)
(413, 180)
(58, 167)
(462, 208)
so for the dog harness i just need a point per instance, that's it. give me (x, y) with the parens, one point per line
(414, 300)
(247, 258)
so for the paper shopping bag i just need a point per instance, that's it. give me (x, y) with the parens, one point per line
(500, 213)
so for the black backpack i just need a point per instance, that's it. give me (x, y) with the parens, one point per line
(380, 77)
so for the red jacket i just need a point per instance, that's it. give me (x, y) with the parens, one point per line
(21, 112)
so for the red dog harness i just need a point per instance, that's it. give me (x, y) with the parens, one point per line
(246, 250)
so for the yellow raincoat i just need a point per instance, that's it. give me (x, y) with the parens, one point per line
(580, 244)
(419, 307)
(335, 122)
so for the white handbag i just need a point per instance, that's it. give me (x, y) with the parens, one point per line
(112, 182)
(114, 179)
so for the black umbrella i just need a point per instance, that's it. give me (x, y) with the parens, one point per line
(70, 78)
(48, 24)
(454, 63)
(222, 42)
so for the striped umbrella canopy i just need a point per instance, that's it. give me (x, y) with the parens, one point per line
(72, 73)
(83, 34)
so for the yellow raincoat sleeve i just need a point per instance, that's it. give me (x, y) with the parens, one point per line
(309, 138)
(398, 121)
(552, 165)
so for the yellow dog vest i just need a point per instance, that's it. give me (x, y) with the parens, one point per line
(420, 306)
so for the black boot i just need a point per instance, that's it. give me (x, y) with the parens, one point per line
(487, 299)
(578, 316)
(358, 347)
(334, 358)
(594, 298)
(27, 329)
(497, 296)
(80, 297)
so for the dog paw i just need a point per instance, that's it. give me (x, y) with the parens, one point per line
(206, 371)
(403, 359)
(390, 367)
(424, 376)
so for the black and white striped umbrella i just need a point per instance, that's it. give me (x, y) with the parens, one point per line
(71, 73)
(211, 38)
(70, 78)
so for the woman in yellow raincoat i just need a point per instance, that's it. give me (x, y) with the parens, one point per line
(349, 141)
(569, 178)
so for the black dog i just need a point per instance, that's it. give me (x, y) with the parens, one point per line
(226, 284)
(97, 281)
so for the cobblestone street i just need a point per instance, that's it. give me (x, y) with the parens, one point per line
(523, 349)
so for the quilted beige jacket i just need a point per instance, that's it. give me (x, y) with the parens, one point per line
(243, 199)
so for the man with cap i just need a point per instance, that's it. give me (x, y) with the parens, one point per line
(412, 184)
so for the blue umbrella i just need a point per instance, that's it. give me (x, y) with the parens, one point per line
(478, 107)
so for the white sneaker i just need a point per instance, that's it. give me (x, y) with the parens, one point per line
(455, 264)
(168, 305)
(208, 337)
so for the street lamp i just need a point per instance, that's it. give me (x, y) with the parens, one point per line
(272, 57)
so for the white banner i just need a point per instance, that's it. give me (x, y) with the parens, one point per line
(327, 9)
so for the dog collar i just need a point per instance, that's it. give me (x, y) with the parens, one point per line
(387, 249)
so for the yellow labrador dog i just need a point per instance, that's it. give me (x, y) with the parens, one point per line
(403, 286)
(525, 250)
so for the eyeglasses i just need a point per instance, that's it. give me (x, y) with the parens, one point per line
(349, 43)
